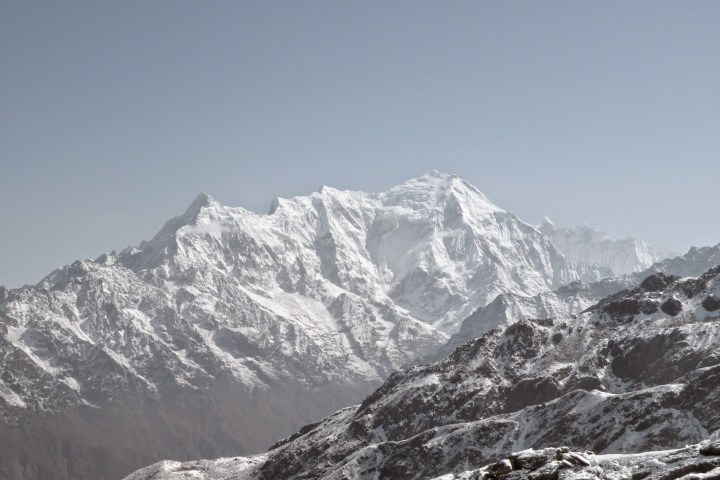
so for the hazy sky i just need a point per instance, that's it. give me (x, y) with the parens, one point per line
(115, 115)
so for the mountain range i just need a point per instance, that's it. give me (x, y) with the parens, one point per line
(229, 330)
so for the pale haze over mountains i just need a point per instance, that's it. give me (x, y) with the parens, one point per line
(359, 240)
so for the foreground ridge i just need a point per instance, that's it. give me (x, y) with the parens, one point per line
(692, 462)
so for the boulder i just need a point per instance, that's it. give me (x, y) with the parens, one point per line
(671, 306)
(711, 303)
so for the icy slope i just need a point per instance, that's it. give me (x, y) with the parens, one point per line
(637, 372)
(583, 245)
(255, 323)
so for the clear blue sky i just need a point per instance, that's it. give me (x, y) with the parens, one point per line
(114, 115)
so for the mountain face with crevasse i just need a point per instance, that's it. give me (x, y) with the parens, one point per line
(630, 388)
(229, 330)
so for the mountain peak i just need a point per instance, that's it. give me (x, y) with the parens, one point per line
(438, 174)
(192, 213)
(201, 201)
(435, 178)
(434, 189)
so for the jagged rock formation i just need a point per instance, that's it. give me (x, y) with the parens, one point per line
(229, 329)
(625, 376)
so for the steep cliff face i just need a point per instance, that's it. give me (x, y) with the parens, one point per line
(638, 371)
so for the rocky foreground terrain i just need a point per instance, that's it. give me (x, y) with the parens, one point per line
(695, 462)
(637, 372)
(701, 461)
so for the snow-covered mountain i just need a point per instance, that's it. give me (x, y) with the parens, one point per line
(691, 264)
(509, 308)
(637, 372)
(255, 324)
(585, 246)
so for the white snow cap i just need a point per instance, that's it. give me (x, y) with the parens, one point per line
(202, 200)
(434, 188)
(546, 221)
